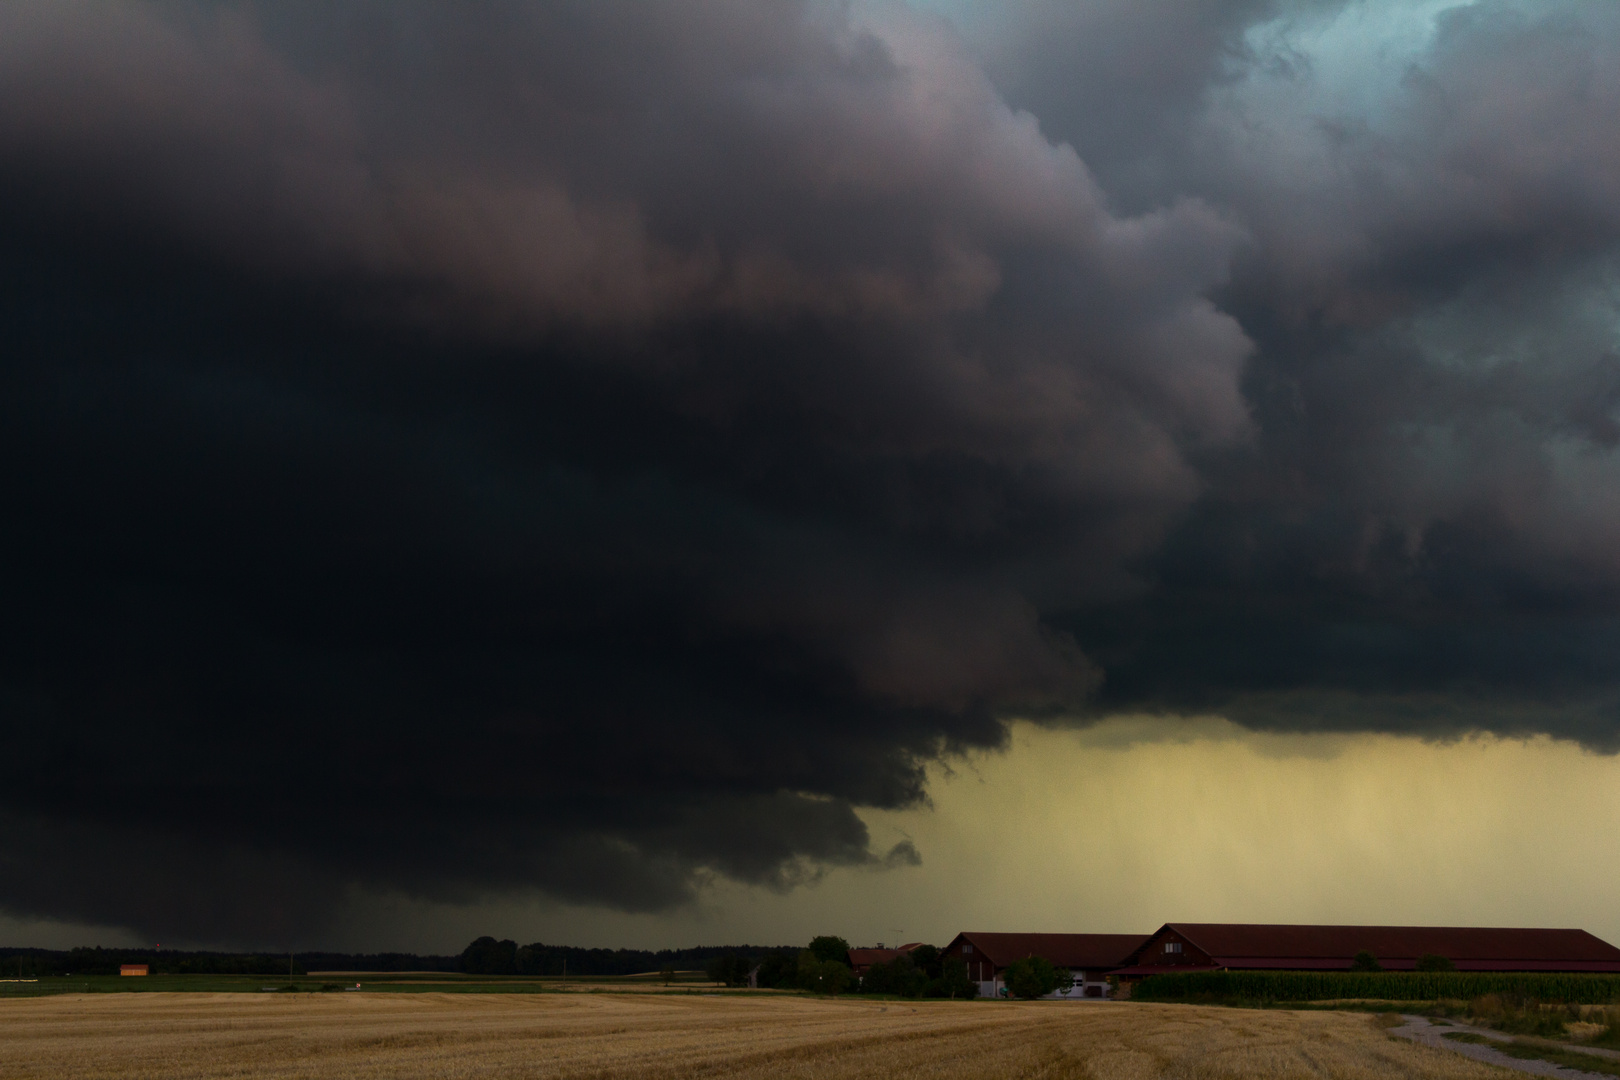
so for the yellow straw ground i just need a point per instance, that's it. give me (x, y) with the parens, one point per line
(657, 1037)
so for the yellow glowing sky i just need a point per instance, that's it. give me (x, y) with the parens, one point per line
(1133, 823)
(1138, 822)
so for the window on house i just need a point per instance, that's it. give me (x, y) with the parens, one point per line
(966, 949)
(1172, 946)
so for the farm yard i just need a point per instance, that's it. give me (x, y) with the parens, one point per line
(669, 1036)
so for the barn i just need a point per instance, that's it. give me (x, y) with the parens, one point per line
(1088, 956)
(1286, 947)
(132, 969)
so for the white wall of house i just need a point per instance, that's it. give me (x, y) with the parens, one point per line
(1083, 982)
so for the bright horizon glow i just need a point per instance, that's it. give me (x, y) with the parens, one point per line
(1133, 823)
(1140, 821)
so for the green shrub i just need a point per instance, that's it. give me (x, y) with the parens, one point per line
(1035, 977)
(1431, 962)
(953, 981)
(928, 959)
(779, 970)
(1522, 1015)
(899, 976)
(1610, 1035)
(729, 968)
(823, 976)
(1365, 961)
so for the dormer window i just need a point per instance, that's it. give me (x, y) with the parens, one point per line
(1172, 946)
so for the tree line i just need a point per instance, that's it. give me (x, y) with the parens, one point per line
(823, 967)
(34, 963)
(487, 956)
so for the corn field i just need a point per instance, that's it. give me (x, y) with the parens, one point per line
(1266, 986)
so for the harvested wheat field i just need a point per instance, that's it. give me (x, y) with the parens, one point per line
(657, 1037)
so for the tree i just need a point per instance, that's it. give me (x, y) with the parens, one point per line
(1034, 977)
(1365, 961)
(1065, 980)
(829, 948)
(898, 976)
(926, 957)
(486, 956)
(953, 980)
(823, 976)
(779, 970)
(668, 975)
(1431, 962)
(730, 969)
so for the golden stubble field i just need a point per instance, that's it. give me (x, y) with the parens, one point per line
(659, 1037)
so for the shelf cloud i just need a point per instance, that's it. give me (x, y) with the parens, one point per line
(589, 449)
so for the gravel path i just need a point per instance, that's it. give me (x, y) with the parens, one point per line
(1420, 1029)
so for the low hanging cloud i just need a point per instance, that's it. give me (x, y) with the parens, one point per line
(590, 448)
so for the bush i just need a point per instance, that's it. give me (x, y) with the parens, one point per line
(823, 976)
(953, 981)
(1431, 962)
(927, 959)
(1523, 1016)
(1609, 1035)
(779, 970)
(730, 969)
(899, 976)
(1035, 977)
(1365, 961)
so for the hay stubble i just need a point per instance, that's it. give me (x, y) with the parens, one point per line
(655, 1037)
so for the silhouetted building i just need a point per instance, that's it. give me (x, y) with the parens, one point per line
(1283, 947)
(1088, 957)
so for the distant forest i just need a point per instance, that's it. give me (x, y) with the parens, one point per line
(486, 956)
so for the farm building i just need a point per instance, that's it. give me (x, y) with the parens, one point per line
(861, 960)
(132, 969)
(1254, 946)
(1088, 956)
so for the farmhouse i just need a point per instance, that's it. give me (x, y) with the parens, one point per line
(132, 969)
(1256, 946)
(861, 960)
(1088, 956)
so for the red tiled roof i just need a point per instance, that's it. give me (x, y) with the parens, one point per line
(861, 959)
(1065, 950)
(1259, 945)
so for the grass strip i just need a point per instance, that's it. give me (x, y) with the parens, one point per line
(1570, 1059)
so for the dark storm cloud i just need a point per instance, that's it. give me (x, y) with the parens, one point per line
(576, 448)
(1423, 536)
(588, 449)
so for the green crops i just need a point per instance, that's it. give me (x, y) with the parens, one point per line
(1264, 986)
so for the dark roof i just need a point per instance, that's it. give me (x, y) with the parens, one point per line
(1064, 950)
(861, 959)
(1260, 945)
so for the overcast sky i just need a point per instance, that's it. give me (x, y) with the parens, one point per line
(611, 469)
